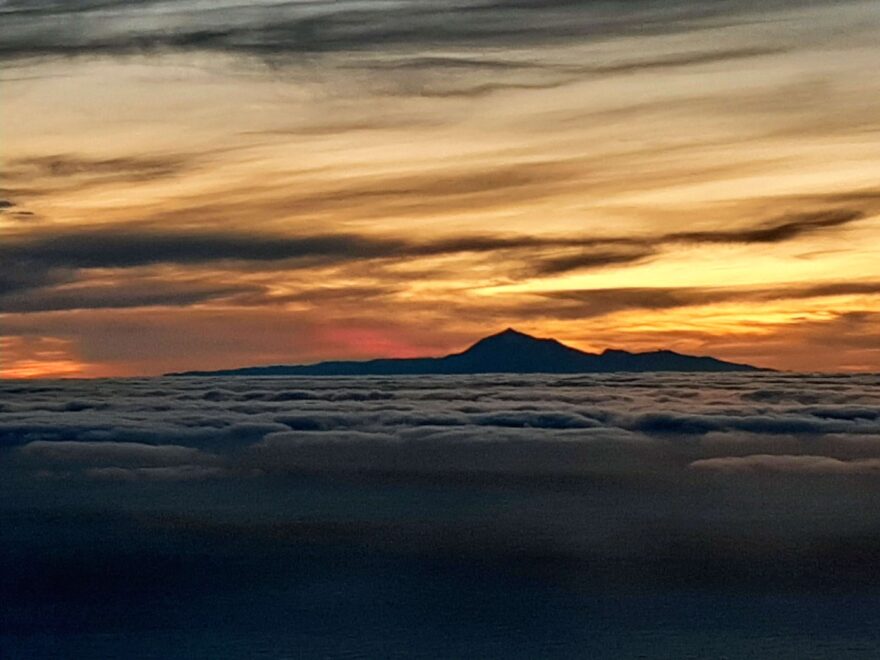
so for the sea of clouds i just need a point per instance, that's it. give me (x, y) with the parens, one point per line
(114, 491)
(657, 425)
(791, 457)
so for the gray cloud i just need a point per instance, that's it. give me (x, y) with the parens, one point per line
(588, 260)
(125, 247)
(38, 176)
(113, 453)
(276, 31)
(782, 229)
(17, 277)
(496, 66)
(120, 248)
(788, 464)
(169, 473)
(35, 289)
(63, 166)
(500, 449)
(34, 296)
(664, 297)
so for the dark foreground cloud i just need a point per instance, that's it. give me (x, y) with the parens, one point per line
(137, 505)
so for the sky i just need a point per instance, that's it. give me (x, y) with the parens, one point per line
(194, 185)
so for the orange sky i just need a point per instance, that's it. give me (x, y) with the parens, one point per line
(192, 188)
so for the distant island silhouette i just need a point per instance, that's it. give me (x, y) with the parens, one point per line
(509, 351)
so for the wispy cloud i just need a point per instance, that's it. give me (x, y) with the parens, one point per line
(121, 246)
(276, 30)
(775, 231)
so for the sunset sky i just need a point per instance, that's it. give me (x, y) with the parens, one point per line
(195, 184)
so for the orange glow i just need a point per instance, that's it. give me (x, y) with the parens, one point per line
(42, 357)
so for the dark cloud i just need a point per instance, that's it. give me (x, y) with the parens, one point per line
(687, 59)
(482, 89)
(496, 66)
(68, 165)
(122, 247)
(17, 277)
(164, 473)
(473, 77)
(276, 31)
(664, 423)
(598, 259)
(778, 230)
(33, 296)
(775, 231)
(113, 453)
(330, 295)
(44, 272)
(584, 303)
(39, 175)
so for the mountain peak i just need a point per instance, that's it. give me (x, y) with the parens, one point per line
(512, 333)
(510, 339)
(513, 351)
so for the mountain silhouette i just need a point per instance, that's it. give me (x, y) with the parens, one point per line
(509, 351)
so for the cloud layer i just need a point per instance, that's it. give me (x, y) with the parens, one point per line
(659, 425)
(150, 497)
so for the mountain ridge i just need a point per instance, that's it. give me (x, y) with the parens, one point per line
(508, 351)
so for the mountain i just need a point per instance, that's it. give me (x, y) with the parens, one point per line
(506, 352)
